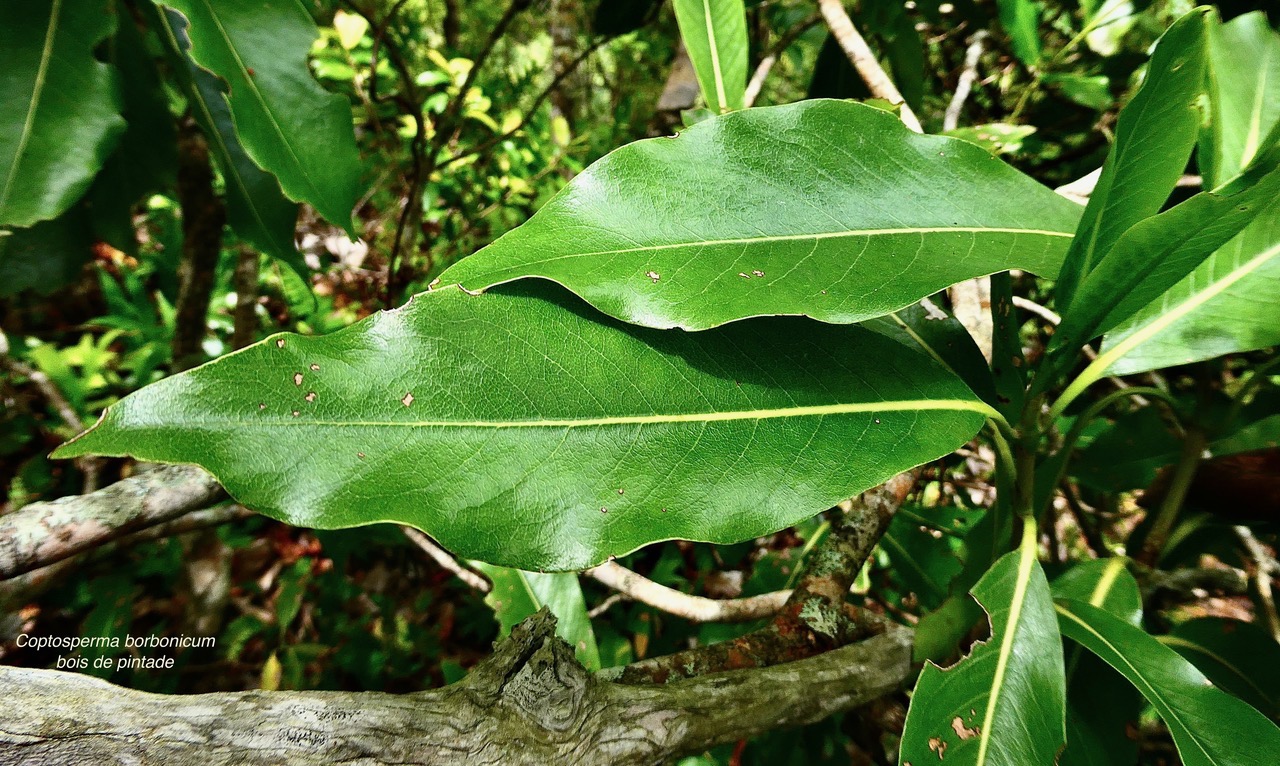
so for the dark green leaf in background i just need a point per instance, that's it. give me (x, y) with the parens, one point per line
(517, 594)
(715, 36)
(1005, 702)
(60, 114)
(1238, 656)
(1021, 21)
(1209, 726)
(286, 122)
(257, 210)
(517, 429)
(863, 218)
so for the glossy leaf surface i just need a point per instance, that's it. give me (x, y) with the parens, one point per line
(863, 218)
(257, 209)
(1136, 179)
(517, 594)
(1158, 253)
(286, 122)
(1208, 725)
(518, 429)
(61, 113)
(1005, 702)
(715, 36)
(1238, 656)
(1227, 304)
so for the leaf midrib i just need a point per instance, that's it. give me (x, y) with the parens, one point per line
(1152, 691)
(715, 58)
(657, 419)
(257, 94)
(771, 238)
(46, 55)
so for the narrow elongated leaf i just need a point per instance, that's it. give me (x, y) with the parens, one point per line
(1101, 705)
(1104, 583)
(517, 594)
(61, 114)
(1005, 702)
(939, 335)
(1137, 178)
(1208, 725)
(517, 429)
(1240, 657)
(1227, 304)
(1021, 21)
(1158, 253)
(864, 218)
(256, 208)
(286, 122)
(715, 35)
(1244, 95)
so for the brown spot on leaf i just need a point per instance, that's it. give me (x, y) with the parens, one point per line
(744, 275)
(604, 510)
(296, 413)
(652, 275)
(938, 746)
(297, 379)
(311, 396)
(315, 368)
(279, 342)
(360, 455)
(757, 272)
(407, 399)
(962, 731)
(262, 405)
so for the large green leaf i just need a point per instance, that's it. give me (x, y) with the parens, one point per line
(517, 594)
(1208, 725)
(1005, 702)
(1154, 137)
(715, 35)
(257, 209)
(61, 114)
(1227, 304)
(286, 122)
(862, 218)
(519, 429)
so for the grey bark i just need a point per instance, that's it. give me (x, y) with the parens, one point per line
(529, 703)
(41, 534)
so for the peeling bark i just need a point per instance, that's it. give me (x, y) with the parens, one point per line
(529, 703)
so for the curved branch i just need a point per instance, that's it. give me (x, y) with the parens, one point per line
(863, 60)
(529, 703)
(695, 608)
(45, 533)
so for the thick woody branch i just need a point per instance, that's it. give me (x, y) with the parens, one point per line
(695, 608)
(41, 534)
(529, 703)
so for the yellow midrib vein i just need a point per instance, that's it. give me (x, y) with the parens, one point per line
(771, 238)
(691, 417)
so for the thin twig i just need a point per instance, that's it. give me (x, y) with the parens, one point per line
(695, 608)
(1262, 577)
(442, 557)
(761, 73)
(607, 604)
(91, 467)
(951, 119)
(860, 55)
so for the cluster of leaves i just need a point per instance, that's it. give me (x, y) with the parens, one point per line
(694, 341)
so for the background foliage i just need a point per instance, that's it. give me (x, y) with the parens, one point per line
(267, 167)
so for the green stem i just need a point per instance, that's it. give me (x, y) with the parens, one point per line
(1097, 22)
(1192, 448)
(1077, 429)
